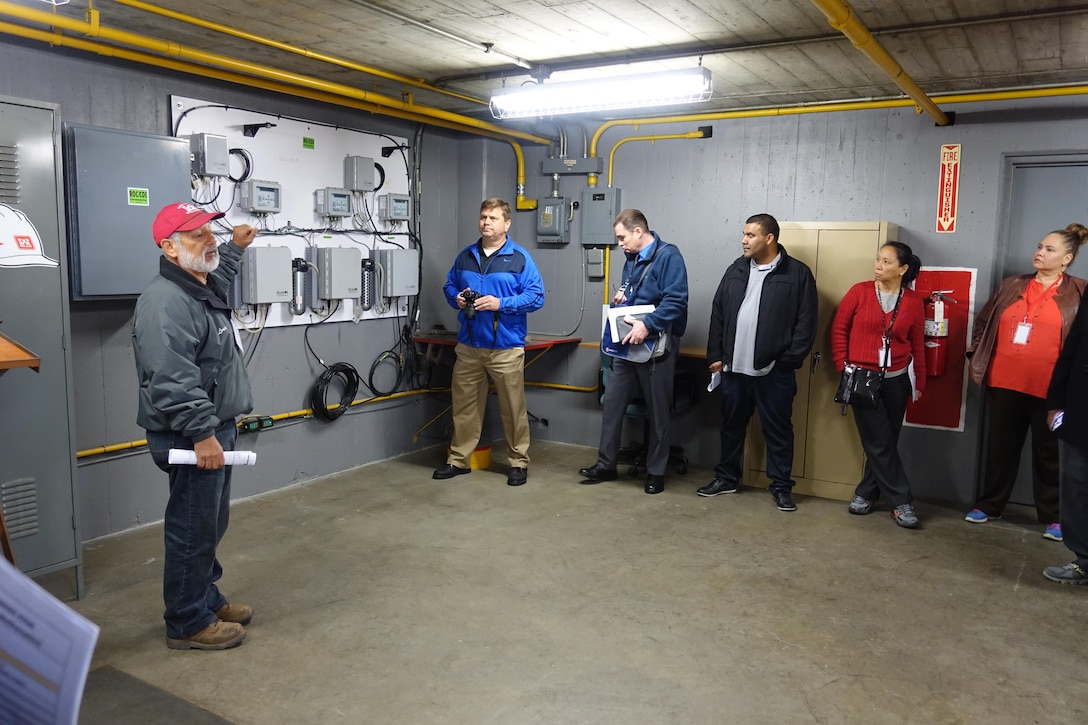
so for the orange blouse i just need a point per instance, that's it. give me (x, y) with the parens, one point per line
(1027, 368)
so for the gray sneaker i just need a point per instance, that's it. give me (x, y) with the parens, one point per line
(860, 506)
(905, 516)
(1068, 574)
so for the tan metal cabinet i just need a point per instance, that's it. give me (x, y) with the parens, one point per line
(827, 456)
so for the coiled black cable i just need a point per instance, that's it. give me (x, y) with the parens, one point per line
(349, 382)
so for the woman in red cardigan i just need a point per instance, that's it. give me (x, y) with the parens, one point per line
(873, 317)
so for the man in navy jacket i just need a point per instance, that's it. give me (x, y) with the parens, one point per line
(654, 274)
(762, 327)
(495, 284)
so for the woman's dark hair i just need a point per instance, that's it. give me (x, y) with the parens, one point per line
(906, 256)
(1074, 236)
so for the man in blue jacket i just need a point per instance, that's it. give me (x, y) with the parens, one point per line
(762, 327)
(193, 384)
(495, 284)
(654, 274)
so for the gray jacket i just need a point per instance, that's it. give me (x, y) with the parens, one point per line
(192, 377)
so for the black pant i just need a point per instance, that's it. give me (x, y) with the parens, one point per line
(878, 428)
(625, 380)
(1009, 415)
(1074, 489)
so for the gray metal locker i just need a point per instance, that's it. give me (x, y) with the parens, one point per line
(37, 423)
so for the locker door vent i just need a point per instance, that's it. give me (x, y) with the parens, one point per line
(9, 174)
(19, 498)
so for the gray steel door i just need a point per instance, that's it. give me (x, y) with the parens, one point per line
(1044, 194)
(37, 457)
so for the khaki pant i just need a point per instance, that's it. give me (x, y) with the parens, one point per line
(469, 392)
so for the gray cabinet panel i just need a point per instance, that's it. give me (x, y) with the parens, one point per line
(37, 456)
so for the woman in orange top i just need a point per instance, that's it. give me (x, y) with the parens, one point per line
(1016, 342)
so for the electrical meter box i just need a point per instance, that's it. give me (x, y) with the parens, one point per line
(395, 208)
(552, 220)
(332, 202)
(209, 155)
(266, 275)
(599, 208)
(260, 197)
(359, 173)
(398, 270)
(339, 272)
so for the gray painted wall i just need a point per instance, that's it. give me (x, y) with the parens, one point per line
(879, 164)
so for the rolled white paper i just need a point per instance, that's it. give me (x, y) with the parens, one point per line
(182, 457)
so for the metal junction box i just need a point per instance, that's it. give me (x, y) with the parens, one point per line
(399, 271)
(599, 210)
(339, 272)
(266, 275)
(553, 220)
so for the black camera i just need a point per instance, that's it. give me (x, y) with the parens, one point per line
(470, 298)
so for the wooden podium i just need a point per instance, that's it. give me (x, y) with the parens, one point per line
(13, 355)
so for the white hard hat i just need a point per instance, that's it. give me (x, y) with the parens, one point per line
(20, 244)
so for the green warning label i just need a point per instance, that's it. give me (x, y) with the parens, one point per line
(307, 143)
(137, 197)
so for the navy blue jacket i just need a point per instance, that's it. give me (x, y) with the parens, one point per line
(664, 285)
(787, 314)
(509, 274)
(1069, 382)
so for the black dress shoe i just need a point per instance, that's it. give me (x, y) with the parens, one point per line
(517, 477)
(596, 474)
(449, 471)
(655, 484)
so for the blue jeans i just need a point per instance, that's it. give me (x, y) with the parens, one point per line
(772, 395)
(196, 519)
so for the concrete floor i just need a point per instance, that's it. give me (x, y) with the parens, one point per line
(383, 596)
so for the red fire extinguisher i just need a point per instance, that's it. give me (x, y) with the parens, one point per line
(936, 332)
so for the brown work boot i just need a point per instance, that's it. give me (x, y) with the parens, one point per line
(237, 613)
(217, 635)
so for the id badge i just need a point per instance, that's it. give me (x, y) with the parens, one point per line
(881, 360)
(1023, 330)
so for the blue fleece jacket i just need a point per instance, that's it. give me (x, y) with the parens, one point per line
(509, 274)
(664, 284)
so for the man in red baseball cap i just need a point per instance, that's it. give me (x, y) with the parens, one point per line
(193, 386)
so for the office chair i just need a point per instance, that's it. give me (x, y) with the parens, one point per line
(684, 386)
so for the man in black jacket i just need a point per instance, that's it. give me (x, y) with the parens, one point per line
(762, 327)
(193, 385)
(1068, 395)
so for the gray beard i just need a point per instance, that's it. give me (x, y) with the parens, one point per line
(195, 261)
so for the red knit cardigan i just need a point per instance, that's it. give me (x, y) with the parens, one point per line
(856, 331)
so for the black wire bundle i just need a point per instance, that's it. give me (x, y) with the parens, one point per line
(349, 383)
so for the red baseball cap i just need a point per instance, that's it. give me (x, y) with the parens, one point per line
(183, 217)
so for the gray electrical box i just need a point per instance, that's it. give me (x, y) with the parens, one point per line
(394, 207)
(266, 275)
(332, 202)
(260, 197)
(209, 154)
(339, 272)
(359, 173)
(599, 208)
(595, 263)
(398, 270)
(552, 220)
(116, 182)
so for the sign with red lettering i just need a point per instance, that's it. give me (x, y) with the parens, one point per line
(949, 193)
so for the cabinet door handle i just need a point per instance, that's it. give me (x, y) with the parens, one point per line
(815, 362)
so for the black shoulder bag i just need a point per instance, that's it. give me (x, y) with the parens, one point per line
(859, 386)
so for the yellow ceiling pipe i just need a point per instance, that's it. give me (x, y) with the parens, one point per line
(92, 28)
(59, 39)
(227, 30)
(841, 17)
(701, 133)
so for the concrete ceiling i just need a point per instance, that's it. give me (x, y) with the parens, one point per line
(761, 52)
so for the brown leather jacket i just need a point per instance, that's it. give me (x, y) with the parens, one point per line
(985, 332)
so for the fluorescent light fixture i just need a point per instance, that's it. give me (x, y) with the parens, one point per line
(55, 2)
(665, 88)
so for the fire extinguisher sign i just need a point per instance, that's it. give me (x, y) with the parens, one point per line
(949, 193)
